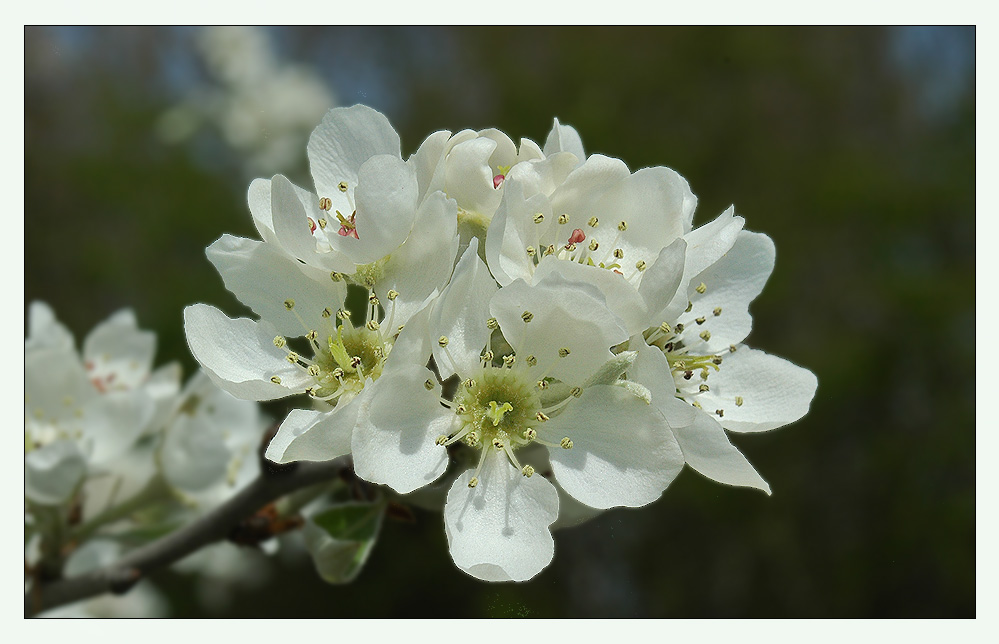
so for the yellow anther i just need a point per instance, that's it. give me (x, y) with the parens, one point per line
(487, 356)
(705, 335)
(399, 329)
(342, 186)
(701, 288)
(570, 247)
(531, 361)
(343, 314)
(292, 357)
(460, 409)
(531, 251)
(717, 311)
(697, 404)
(497, 443)
(392, 294)
(442, 341)
(471, 439)
(539, 217)
(338, 373)
(323, 223)
(550, 249)
(526, 316)
(690, 305)
(738, 401)
(508, 360)
(530, 434)
(541, 416)
(355, 362)
(469, 384)
(592, 223)
(618, 253)
(527, 471)
(594, 245)
(314, 370)
(563, 352)
(566, 443)
(441, 439)
(720, 412)
(679, 328)
(664, 327)
(372, 325)
(473, 481)
(311, 391)
(731, 348)
(640, 265)
(276, 380)
(325, 203)
(542, 384)
(428, 384)
(336, 277)
(622, 226)
(327, 312)
(289, 304)
(716, 360)
(492, 323)
(576, 391)
(279, 341)
(700, 320)
(703, 388)
(563, 218)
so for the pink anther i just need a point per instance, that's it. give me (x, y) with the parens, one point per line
(498, 180)
(577, 237)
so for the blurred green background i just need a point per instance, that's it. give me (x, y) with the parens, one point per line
(852, 148)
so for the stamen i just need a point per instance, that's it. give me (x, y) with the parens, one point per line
(700, 320)
(530, 434)
(492, 323)
(622, 226)
(279, 341)
(738, 401)
(538, 218)
(618, 253)
(701, 288)
(717, 311)
(336, 277)
(442, 341)
(563, 219)
(640, 265)
(325, 204)
(429, 384)
(531, 361)
(342, 186)
(498, 181)
(592, 223)
(705, 335)
(541, 416)
(475, 477)
(720, 412)
(563, 352)
(703, 388)
(566, 443)
(527, 471)
(289, 304)
(531, 251)
(276, 380)
(526, 316)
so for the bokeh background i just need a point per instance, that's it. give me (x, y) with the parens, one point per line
(853, 148)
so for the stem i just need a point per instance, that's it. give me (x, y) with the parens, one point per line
(120, 576)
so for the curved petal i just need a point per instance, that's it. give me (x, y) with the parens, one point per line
(571, 331)
(394, 441)
(542, 176)
(564, 138)
(52, 473)
(346, 138)
(512, 230)
(621, 454)
(295, 212)
(386, 200)
(772, 391)
(587, 182)
(258, 197)
(460, 314)
(660, 282)
(705, 246)
(239, 355)
(468, 176)
(193, 456)
(498, 530)
(55, 384)
(413, 344)
(316, 436)
(112, 423)
(264, 278)
(427, 157)
(117, 346)
(707, 449)
(651, 370)
(44, 330)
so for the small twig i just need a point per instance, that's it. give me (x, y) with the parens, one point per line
(120, 576)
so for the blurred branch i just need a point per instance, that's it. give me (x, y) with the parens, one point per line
(122, 575)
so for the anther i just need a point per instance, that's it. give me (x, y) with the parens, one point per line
(738, 401)
(471, 439)
(460, 409)
(442, 341)
(697, 404)
(508, 360)
(541, 416)
(622, 226)
(566, 443)
(731, 348)
(276, 380)
(705, 335)
(550, 249)
(289, 304)
(311, 335)
(570, 247)
(640, 265)
(441, 439)
(531, 361)
(563, 352)
(700, 320)
(527, 471)
(717, 311)
(338, 373)
(325, 204)
(342, 186)
(679, 328)
(355, 362)
(292, 357)
(312, 225)
(429, 384)
(473, 481)
(688, 374)
(716, 360)
(690, 305)
(497, 443)
(336, 277)
(531, 251)
(530, 434)
(322, 223)
(492, 323)
(618, 253)
(487, 356)
(392, 294)
(372, 298)
(701, 288)
(720, 412)
(372, 325)
(563, 218)
(311, 391)
(592, 223)
(594, 245)
(279, 341)
(703, 388)
(664, 327)
(526, 316)
(343, 314)
(576, 391)
(538, 218)
(314, 370)
(542, 384)
(469, 384)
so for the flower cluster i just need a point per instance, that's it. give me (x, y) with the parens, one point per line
(537, 326)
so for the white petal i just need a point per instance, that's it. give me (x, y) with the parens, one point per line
(316, 436)
(705, 246)
(707, 449)
(621, 455)
(414, 341)
(731, 284)
(427, 157)
(512, 230)
(498, 530)
(258, 196)
(566, 315)
(394, 441)
(591, 179)
(774, 391)
(346, 138)
(263, 278)
(424, 262)
(44, 330)
(239, 355)
(564, 138)
(55, 384)
(111, 423)
(661, 280)
(193, 456)
(469, 177)
(652, 370)
(163, 386)
(460, 314)
(386, 200)
(52, 473)
(543, 176)
(117, 346)
(292, 209)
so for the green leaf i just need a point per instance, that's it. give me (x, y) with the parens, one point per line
(341, 538)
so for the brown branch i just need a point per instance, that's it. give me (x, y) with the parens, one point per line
(273, 483)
